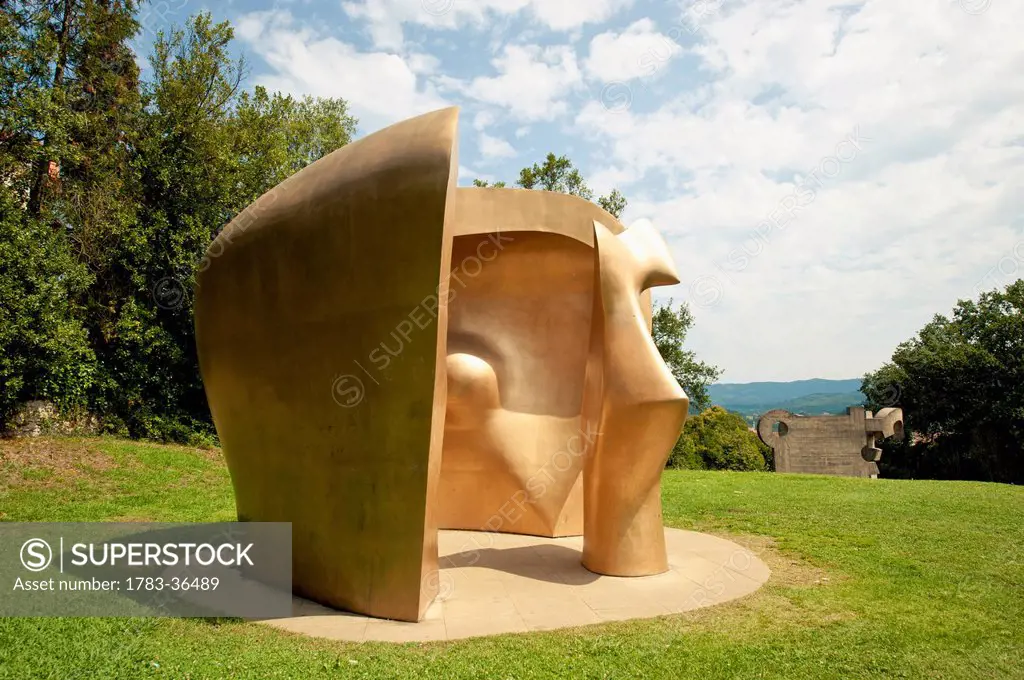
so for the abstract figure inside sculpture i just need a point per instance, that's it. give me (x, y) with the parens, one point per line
(829, 445)
(490, 357)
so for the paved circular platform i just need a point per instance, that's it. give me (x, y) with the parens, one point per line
(504, 583)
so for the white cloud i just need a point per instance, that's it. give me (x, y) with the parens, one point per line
(483, 120)
(494, 147)
(382, 88)
(762, 95)
(570, 14)
(532, 81)
(385, 18)
(902, 229)
(423, 64)
(638, 51)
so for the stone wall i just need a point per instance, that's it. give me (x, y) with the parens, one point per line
(37, 417)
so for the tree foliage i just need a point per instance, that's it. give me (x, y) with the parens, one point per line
(112, 189)
(557, 173)
(960, 383)
(44, 350)
(671, 324)
(615, 203)
(719, 440)
(483, 184)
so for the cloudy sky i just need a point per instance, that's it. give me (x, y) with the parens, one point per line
(829, 174)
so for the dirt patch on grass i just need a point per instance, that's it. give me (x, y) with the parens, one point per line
(50, 462)
(796, 595)
(213, 454)
(788, 570)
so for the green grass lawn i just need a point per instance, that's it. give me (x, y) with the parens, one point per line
(871, 578)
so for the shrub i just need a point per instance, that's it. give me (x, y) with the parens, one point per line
(44, 350)
(719, 440)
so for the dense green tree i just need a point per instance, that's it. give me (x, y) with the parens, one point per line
(112, 190)
(24, 75)
(66, 79)
(97, 185)
(206, 152)
(960, 383)
(719, 440)
(68, 102)
(275, 136)
(186, 184)
(671, 324)
(44, 350)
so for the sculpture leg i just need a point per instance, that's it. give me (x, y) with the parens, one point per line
(639, 407)
(622, 490)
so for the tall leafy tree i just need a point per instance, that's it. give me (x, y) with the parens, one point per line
(51, 30)
(275, 136)
(615, 203)
(185, 176)
(557, 173)
(44, 349)
(68, 103)
(960, 383)
(207, 149)
(671, 324)
(70, 106)
(111, 189)
(98, 185)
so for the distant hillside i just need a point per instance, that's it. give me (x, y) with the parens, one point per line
(809, 397)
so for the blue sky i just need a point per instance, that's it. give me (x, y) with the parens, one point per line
(828, 174)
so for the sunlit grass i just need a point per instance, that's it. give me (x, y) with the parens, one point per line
(871, 578)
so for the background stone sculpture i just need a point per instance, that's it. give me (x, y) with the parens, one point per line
(829, 445)
(385, 354)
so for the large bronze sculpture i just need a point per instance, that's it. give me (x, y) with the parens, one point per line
(386, 354)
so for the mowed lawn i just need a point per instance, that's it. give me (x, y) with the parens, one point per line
(871, 578)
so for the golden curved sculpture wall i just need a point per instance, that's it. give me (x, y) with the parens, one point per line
(518, 342)
(385, 354)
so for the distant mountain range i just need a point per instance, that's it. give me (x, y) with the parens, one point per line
(808, 397)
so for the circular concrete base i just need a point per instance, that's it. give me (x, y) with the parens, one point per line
(505, 583)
